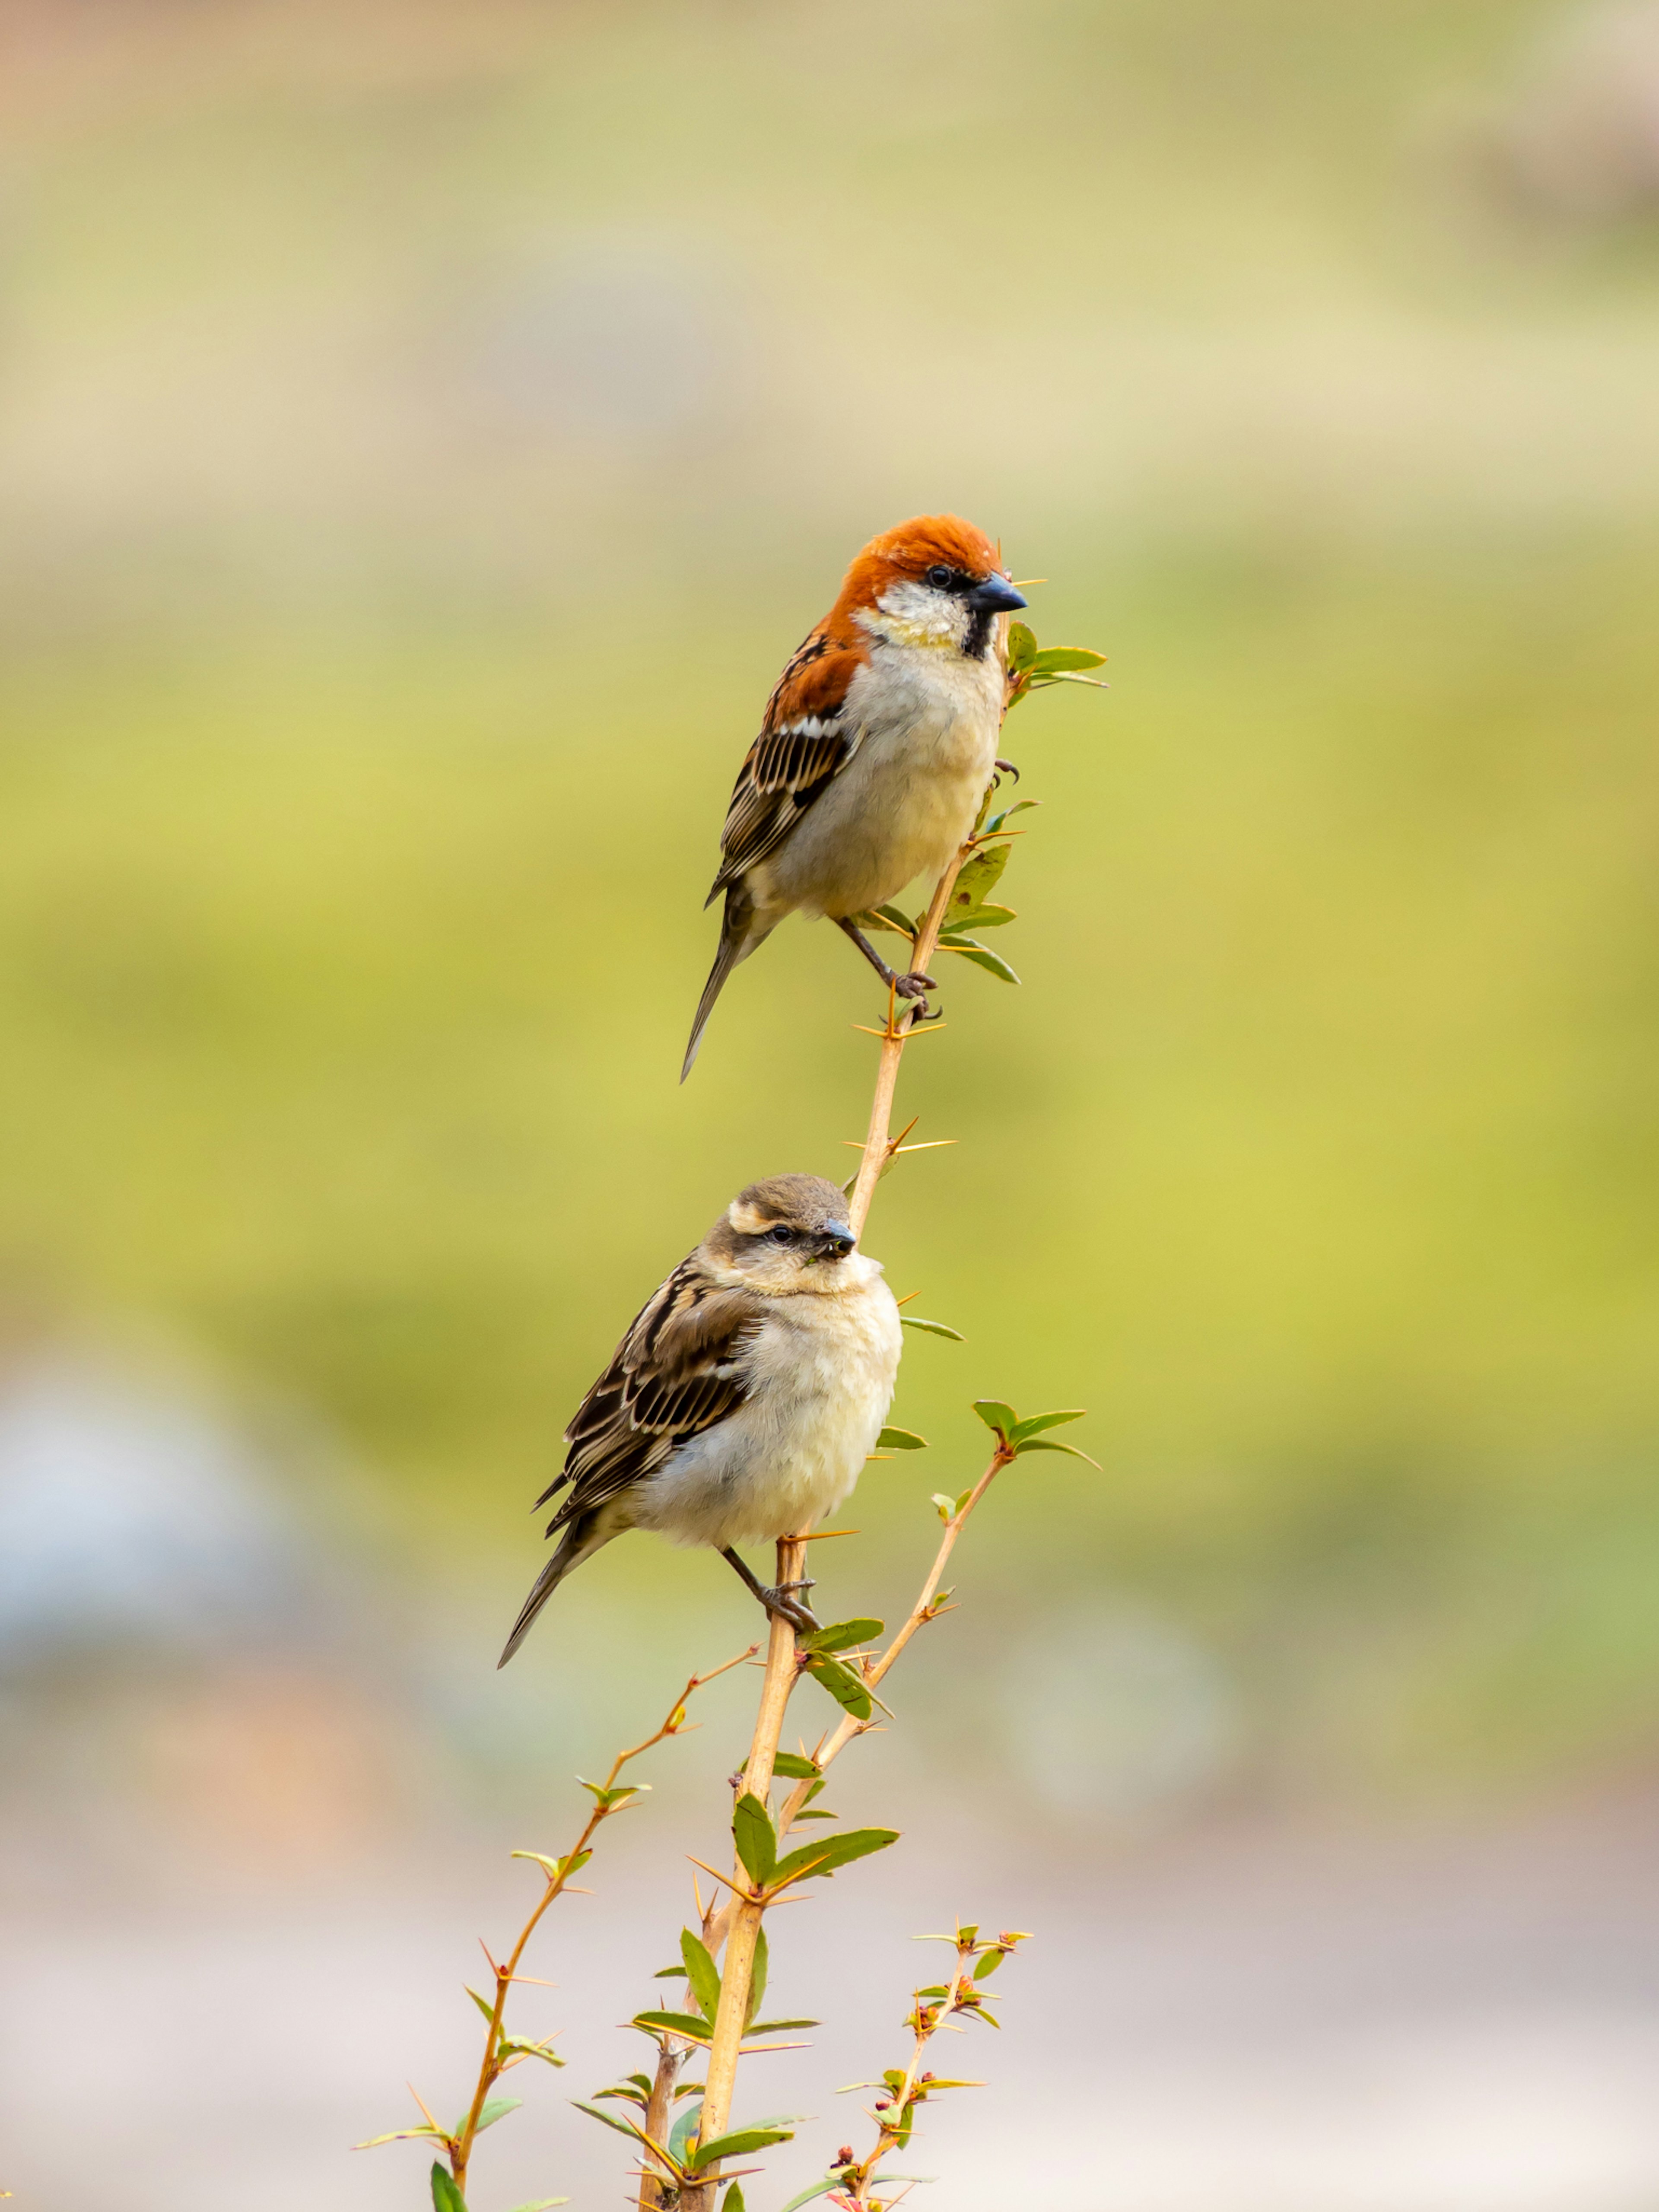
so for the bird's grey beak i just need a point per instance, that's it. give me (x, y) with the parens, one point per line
(996, 596)
(839, 1239)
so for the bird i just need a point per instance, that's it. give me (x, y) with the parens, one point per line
(875, 749)
(744, 1399)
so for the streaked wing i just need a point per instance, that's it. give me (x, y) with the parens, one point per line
(785, 772)
(804, 743)
(674, 1374)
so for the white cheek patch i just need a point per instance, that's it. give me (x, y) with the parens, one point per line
(747, 1220)
(910, 613)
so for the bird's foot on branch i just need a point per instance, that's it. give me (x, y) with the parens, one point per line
(914, 985)
(776, 1599)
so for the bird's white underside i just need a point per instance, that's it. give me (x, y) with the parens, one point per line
(928, 722)
(822, 1368)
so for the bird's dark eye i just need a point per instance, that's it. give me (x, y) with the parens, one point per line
(941, 577)
(782, 1236)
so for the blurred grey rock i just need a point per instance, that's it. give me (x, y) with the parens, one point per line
(128, 1516)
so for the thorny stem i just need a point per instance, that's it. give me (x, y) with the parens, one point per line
(743, 1922)
(496, 2059)
(737, 1924)
(901, 1027)
(659, 2112)
(920, 1613)
(927, 2019)
(740, 1922)
(897, 1035)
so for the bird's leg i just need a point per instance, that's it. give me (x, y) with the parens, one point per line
(912, 986)
(777, 1600)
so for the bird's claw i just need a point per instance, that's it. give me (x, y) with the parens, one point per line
(1008, 769)
(777, 1599)
(800, 1617)
(914, 985)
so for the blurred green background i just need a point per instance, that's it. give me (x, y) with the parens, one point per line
(425, 431)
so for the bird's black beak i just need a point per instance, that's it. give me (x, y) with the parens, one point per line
(838, 1238)
(996, 596)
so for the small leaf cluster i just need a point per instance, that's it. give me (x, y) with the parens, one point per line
(682, 2161)
(1016, 1437)
(702, 1981)
(449, 2139)
(818, 1655)
(904, 2090)
(770, 1875)
(970, 906)
(1032, 668)
(502, 2051)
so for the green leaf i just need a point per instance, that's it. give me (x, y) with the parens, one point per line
(977, 880)
(496, 2109)
(757, 1973)
(514, 2047)
(1037, 1422)
(604, 1798)
(632, 2089)
(777, 2027)
(932, 1327)
(992, 963)
(702, 1973)
(1048, 1444)
(829, 1852)
(1020, 806)
(733, 2200)
(988, 1965)
(983, 917)
(843, 1635)
(1041, 682)
(572, 1863)
(947, 1506)
(1053, 658)
(889, 917)
(1022, 652)
(445, 2197)
(891, 1439)
(998, 1416)
(805, 1815)
(738, 2145)
(843, 1686)
(798, 1769)
(677, 2023)
(756, 1837)
(612, 2120)
(683, 2129)
(483, 2003)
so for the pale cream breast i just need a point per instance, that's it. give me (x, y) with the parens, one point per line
(822, 1368)
(929, 722)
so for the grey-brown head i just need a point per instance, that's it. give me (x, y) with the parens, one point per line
(787, 1233)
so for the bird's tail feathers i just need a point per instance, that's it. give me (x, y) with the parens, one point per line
(578, 1544)
(733, 946)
